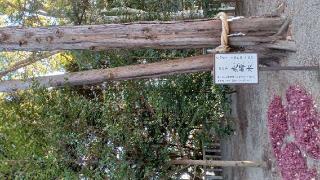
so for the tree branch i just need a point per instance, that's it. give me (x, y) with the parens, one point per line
(26, 62)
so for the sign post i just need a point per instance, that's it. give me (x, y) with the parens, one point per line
(236, 68)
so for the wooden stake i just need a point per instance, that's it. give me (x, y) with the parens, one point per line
(219, 163)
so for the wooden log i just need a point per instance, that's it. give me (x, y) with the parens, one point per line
(219, 163)
(164, 68)
(141, 71)
(290, 68)
(283, 45)
(158, 35)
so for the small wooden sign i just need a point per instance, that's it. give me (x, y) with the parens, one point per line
(236, 68)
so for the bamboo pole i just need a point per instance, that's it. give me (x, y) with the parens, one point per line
(159, 35)
(219, 163)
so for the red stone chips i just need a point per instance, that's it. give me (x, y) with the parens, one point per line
(292, 164)
(301, 120)
(277, 124)
(304, 120)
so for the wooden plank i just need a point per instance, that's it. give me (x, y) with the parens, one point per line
(213, 156)
(213, 150)
(208, 177)
(219, 163)
(158, 35)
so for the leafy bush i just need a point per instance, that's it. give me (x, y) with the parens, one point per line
(131, 129)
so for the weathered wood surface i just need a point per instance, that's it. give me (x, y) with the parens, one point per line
(158, 35)
(290, 68)
(283, 45)
(219, 163)
(180, 66)
(164, 68)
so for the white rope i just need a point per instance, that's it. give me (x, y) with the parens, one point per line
(224, 34)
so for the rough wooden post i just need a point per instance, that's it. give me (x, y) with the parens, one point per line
(219, 163)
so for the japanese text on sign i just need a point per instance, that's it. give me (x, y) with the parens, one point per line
(236, 68)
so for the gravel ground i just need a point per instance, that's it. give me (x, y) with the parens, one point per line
(250, 104)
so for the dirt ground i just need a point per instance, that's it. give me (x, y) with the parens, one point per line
(250, 104)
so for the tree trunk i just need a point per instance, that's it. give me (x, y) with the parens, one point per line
(158, 35)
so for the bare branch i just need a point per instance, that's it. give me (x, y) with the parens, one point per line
(28, 61)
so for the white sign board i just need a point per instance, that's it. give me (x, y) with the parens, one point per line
(236, 68)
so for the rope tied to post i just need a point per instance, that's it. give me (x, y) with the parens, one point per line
(224, 34)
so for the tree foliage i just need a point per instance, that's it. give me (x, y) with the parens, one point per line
(130, 129)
